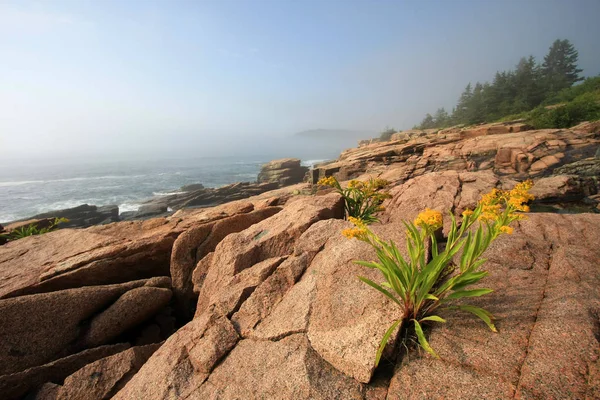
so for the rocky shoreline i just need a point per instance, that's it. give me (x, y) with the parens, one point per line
(273, 175)
(259, 297)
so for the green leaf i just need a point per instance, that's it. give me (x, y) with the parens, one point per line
(468, 293)
(378, 287)
(384, 341)
(422, 341)
(433, 318)
(429, 296)
(481, 313)
(367, 264)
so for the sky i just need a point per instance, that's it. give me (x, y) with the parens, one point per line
(142, 77)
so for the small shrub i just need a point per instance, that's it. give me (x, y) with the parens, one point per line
(362, 200)
(386, 135)
(32, 229)
(583, 108)
(423, 288)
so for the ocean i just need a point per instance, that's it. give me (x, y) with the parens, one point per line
(29, 189)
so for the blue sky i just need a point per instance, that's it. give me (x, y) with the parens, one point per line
(222, 77)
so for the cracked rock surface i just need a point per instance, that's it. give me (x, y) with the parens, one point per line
(269, 305)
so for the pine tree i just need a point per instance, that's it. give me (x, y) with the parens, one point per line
(560, 66)
(427, 122)
(461, 113)
(476, 109)
(441, 118)
(528, 85)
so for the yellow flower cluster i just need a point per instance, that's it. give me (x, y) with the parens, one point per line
(359, 231)
(354, 184)
(501, 207)
(327, 181)
(519, 196)
(429, 219)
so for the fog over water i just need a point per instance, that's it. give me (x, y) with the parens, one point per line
(99, 98)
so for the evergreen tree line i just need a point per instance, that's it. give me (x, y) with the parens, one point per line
(529, 85)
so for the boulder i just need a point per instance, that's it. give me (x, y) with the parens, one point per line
(262, 300)
(208, 197)
(563, 188)
(131, 309)
(272, 237)
(16, 385)
(70, 258)
(40, 328)
(589, 167)
(286, 369)
(588, 127)
(194, 244)
(83, 216)
(349, 318)
(284, 172)
(103, 378)
(192, 187)
(184, 361)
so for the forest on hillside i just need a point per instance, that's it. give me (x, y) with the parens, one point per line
(527, 92)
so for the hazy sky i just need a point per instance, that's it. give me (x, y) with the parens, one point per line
(219, 77)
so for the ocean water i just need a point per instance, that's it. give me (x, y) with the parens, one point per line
(29, 189)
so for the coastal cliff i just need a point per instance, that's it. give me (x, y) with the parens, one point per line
(259, 297)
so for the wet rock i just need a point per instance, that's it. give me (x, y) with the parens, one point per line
(83, 216)
(205, 197)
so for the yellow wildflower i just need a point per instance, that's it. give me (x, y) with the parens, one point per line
(506, 229)
(354, 183)
(327, 181)
(429, 219)
(356, 232)
(357, 222)
(467, 213)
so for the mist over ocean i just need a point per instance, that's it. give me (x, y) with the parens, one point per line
(31, 189)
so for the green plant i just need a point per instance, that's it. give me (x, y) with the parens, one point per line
(585, 107)
(362, 200)
(32, 229)
(423, 286)
(386, 135)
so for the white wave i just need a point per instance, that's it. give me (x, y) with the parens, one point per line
(61, 205)
(128, 207)
(311, 163)
(166, 193)
(4, 218)
(19, 183)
